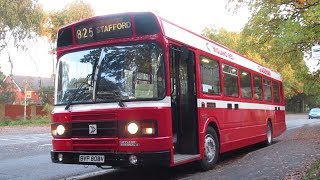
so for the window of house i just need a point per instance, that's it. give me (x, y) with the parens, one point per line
(245, 84)
(267, 90)
(230, 79)
(210, 76)
(257, 90)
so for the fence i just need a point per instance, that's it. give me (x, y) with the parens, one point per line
(17, 111)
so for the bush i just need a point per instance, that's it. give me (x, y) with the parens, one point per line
(39, 120)
(5, 121)
(47, 108)
(314, 171)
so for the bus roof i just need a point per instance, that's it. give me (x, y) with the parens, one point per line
(197, 41)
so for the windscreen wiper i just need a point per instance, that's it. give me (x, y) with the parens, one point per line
(119, 96)
(76, 93)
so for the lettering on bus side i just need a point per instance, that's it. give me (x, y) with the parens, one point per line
(128, 143)
(264, 71)
(220, 51)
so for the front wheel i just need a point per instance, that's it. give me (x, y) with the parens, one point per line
(211, 154)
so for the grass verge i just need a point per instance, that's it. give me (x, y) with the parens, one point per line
(314, 171)
(20, 122)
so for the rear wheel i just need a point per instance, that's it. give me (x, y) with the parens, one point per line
(269, 134)
(211, 154)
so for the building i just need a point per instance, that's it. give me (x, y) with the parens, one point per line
(31, 87)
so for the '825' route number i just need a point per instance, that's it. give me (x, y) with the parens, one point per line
(84, 33)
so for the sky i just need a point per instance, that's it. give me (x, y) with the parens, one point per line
(193, 15)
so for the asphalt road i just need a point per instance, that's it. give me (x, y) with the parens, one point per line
(27, 156)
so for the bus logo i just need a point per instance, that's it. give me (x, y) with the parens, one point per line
(93, 129)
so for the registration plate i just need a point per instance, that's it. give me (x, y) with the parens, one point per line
(91, 158)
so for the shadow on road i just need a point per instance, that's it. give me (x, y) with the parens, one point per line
(178, 172)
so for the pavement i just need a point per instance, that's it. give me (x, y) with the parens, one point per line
(296, 116)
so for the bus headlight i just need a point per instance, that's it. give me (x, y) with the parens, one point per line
(140, 128)
(132, 128)
(61, 130)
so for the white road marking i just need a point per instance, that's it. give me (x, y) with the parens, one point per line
(45, 145)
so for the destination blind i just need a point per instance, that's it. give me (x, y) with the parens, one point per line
(103, 29)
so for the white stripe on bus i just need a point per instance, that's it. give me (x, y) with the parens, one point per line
(166, 102)
(242, 105)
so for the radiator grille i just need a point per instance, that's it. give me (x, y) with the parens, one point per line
(104, 129)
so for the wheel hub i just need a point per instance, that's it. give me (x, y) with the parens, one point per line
(210, 148)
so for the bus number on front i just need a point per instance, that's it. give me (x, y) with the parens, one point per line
(84, 33)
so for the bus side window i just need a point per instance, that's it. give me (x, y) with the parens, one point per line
(230, 79)
(276, 94)
(245, 84)
(267, 90)
(281, 93)
(257, 90)
(210, 76)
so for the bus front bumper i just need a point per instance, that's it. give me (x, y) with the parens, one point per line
(112, 159)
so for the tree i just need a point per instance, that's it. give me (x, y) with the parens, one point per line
(72, 12)
(46, 95)
(19, 20)
(289, 27)
(224, 37)
(7, 95)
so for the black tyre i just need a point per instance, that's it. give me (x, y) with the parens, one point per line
(212, 150)
(269, 140)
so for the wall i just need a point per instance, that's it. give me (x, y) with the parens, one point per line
(17, 111)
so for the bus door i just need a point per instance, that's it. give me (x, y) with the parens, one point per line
(183, 100)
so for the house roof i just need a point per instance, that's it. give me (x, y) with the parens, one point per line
(34, 83)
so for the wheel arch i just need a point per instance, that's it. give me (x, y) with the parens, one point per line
(212, 122)
(214, 125)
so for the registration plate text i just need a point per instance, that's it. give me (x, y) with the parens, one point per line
(91, 158)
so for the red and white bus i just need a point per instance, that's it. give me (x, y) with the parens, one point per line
(134, 89)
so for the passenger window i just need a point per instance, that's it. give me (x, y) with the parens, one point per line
(257, 87)
(276, 94)
(230, 79)
(210, 76)
(267, 90)
(245, 83)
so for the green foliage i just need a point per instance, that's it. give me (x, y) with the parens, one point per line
(41, 120)
(19, 19)
(313, 172)
(47, 108)
(72, 12)
(294, 22)
(224, 37)
(46, 95)
(7, 95)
